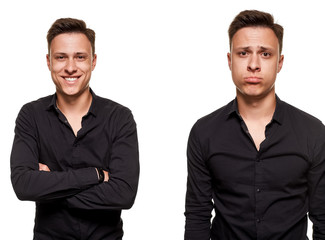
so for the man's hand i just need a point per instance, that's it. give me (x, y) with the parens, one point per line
(43, 167)
(106, 176)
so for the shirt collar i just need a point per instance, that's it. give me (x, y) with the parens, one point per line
(93, 107)
(277, 116)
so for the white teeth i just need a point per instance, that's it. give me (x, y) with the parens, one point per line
(70, 79)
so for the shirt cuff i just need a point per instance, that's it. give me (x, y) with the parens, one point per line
(87, 177)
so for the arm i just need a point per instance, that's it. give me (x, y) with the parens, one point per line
(31, 184)
(316, 189)
(199, 193)
(120, 190)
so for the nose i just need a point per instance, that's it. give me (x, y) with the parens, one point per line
(254, 63)
(71, 67)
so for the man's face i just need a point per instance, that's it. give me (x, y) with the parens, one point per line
(71, 63)
(254, 61)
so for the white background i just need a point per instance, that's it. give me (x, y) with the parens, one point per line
(166, 61)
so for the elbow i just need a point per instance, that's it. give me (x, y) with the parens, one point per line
(22, 194)
(121, 193)
(21, 188)
(23, 197)
(128, 199)
(128, 203)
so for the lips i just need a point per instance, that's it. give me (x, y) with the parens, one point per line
(253, 79)
(71, 78)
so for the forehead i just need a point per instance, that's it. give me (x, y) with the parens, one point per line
(70, 42)
(255, 37)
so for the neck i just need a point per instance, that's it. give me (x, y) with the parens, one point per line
(75, 105)
(254, 108)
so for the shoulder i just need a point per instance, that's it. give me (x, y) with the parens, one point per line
(214, 120)
(302, 122)
(111, 112)
(41, 103)
(299, 116)
(31, 112)
(36, 107)
(108, 106)
(217, 116)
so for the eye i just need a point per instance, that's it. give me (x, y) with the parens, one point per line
(59, 57)
(242, 53)
(266, 54)
(80, 57)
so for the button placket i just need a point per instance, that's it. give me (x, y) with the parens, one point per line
(75, 148)
(258, 190)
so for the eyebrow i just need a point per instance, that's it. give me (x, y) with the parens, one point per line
(265, 48)
(77, 53)
(261, 48)
(59, 53)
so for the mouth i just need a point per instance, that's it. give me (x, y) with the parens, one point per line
(71, 79)
(253, 80)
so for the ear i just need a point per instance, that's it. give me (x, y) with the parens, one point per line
(280, 64)
(48, 60)
(94, 61)
(229, 60)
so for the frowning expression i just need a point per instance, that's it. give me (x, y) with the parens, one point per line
(254, 61)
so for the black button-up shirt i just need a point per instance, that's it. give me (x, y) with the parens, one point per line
(70, 203)
(263, 194)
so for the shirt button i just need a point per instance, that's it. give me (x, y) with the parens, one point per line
(258, 220)
(258, 190)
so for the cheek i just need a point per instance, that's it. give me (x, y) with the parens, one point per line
(84, 66)
(271, 69)
(239, 65)
(57, 67)
(237, 69)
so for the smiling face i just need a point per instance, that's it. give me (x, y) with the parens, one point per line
(254, 61)
(71, 63)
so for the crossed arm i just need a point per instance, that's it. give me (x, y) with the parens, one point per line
(44, 167)
(77, 188)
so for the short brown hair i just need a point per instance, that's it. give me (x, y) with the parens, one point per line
(70, 25)
(254, 18)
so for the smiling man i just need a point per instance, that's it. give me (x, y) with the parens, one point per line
(258, 161)
(75, 154)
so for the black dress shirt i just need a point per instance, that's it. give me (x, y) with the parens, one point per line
(70, 203)
(263, 194)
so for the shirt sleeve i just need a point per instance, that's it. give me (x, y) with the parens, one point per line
(198, 205)
(120, 191)
(31, 184)
(316, 182)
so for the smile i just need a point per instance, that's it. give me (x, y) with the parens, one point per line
(70, 79)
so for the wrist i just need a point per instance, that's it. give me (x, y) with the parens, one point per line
(101, 175)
